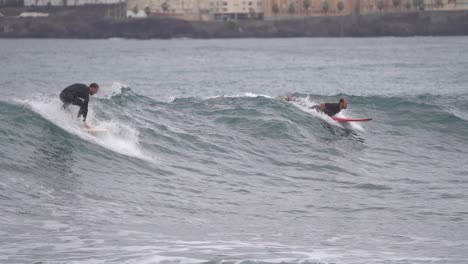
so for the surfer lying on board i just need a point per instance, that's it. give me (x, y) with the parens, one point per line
(332, 109)
(78, 94)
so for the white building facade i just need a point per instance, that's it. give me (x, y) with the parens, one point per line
(69, 2)
(183, 9)
(236, 9)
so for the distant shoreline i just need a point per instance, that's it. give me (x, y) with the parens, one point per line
(404, 24)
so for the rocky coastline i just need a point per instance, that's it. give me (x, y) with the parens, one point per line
(454, 23)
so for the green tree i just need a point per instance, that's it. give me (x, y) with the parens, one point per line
(325, 6)
(147, 11)
(64, 2)
(357, 6)
(418, 4)
(136, 9)
(340, 6)
(291, 9)
(252, 13)
(306, 5)
(439, 3)
(396, 3)
(380, 5)
(165, 6)
(408, 5)
(275, 8)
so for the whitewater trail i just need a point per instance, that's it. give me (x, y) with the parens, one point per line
(121, 138)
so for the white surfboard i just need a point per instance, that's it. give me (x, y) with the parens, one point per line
(95, 130)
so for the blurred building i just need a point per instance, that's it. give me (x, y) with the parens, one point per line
(283, 9)
(115, 9)
(202, 10)
(182, 9)
(11, 3)
(205, 10)
(375, 6)
(301, 8)
(237, 9)
(70, 2)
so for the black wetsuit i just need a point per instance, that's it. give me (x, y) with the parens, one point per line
(331, 109)
(76, 94)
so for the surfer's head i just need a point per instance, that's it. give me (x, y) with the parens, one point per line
(343, 103)
(93, 88)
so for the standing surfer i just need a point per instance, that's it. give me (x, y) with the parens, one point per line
(78, 94)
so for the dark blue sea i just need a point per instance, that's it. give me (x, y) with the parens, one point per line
(203, 163)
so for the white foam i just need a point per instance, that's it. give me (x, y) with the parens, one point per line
(171, 99)
(247, 94)
(159, 259)
(456, 112)
(120, 138)
(108, 92)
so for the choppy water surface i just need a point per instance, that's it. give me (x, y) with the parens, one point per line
(204, 164)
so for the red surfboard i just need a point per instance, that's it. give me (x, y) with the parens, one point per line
(344, 119)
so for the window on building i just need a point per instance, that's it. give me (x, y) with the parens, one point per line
(224, 3)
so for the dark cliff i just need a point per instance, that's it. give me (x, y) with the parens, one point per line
(92, 26)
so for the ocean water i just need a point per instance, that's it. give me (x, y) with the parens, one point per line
(204, 164)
